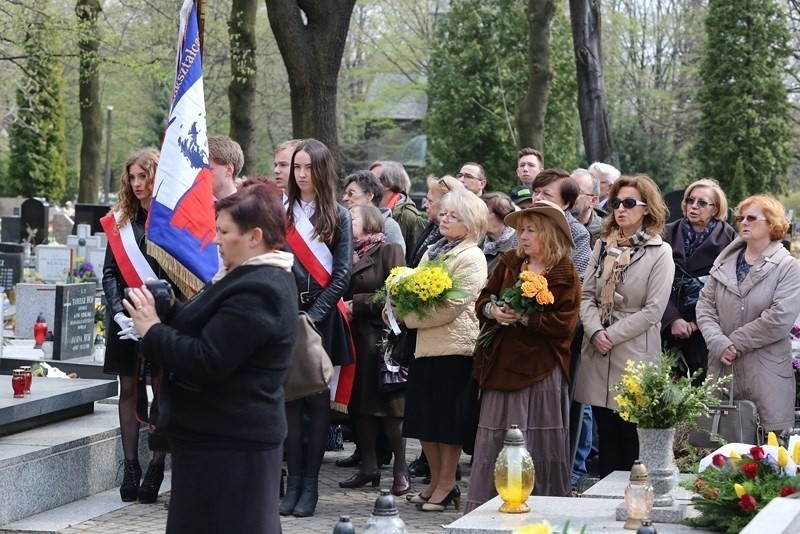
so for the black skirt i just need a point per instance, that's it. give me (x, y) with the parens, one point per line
(335, 336)
(120, 358)
(436, 385)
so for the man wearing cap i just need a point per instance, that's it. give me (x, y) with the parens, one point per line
(530, 162)
(522, 197)
(473, 176)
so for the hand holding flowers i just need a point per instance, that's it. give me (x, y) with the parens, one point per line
(528, 295)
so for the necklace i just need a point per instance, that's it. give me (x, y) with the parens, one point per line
(527, 263)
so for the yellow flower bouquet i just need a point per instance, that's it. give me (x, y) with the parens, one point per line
(420, 289)
(651, 396)
(528, 295)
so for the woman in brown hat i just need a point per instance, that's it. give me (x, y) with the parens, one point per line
(523, 373)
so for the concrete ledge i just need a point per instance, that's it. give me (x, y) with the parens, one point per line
(60, 463)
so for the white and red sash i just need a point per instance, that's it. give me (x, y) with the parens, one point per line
(133, 265)
(317, 259)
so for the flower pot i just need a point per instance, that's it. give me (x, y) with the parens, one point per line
(655, 451)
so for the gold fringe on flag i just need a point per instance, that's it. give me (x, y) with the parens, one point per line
(187, 282)
(339, 407)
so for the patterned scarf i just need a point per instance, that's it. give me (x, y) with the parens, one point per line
(490, 247)
(443, 246)
(362, 246)
(692, 239)
(618, 251)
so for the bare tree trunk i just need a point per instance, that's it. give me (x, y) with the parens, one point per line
(242, 89)
(592, 107)
(533, 108)
(87, 12)
(311, 37)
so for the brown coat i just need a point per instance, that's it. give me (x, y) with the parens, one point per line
(522, 355)
(635, 331)
(755, 317)
(367, 276)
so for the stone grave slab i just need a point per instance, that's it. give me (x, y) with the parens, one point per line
(10, 229)
(73, 324)
(34, 221)
(595, 514)
(32, 299)
(53, 263)
(780, 516)
(11, 267)
(51, 399)
(74, 242)
(62, 227)
(97, 257)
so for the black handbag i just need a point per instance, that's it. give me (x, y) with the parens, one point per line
(393, 367)
(734, 422)
(686, 289)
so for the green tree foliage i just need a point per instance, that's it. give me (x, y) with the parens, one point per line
(745, 110)
(476, 78)
(37, 137)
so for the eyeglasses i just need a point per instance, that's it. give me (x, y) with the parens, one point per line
(691, 201)
(750, 218)
(628, 203)
(447, 215)
(443, 182)
(464, 175)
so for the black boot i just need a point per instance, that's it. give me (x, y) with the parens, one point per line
(130, 480)
(148, 491)
(293, 487)
(308, 498)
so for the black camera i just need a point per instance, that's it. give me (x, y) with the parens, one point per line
(162, 294)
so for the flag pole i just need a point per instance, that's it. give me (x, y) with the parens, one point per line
(201, 22)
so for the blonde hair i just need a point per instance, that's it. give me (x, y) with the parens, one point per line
(555, 245)
(127, 203)
(474, 213)
(445, 184)
(657, 211)
(717, 194)
(773, 211)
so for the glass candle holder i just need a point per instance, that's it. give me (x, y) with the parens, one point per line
(26, 372)
(18, 384)
(514, 473)
(639, 496)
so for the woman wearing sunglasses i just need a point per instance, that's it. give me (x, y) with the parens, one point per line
(625, 291)
(746, 309)
(696, 240)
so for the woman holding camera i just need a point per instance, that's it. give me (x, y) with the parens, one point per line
(125, 228)
(227, 351)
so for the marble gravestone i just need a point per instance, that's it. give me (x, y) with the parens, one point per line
(53, 263)
(12, 258)
(34, 221)
(9, 229)
(62, 227)
(73, 325)
(97, 257)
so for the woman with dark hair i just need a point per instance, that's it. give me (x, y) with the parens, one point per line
(696, 241)
(125, 226)
(500, 237)
(373, 258)
(227, 351)
(747, 308)
(321, 237)
(625, 291)
(362, 188)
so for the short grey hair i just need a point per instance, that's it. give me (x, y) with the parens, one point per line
(609, 172)
(395, 177)
(595, 181)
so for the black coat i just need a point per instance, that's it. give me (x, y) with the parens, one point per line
(226, 352)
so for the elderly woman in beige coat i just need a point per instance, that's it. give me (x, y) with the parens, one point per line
(446, 338)
(747, 308)
(625, 290)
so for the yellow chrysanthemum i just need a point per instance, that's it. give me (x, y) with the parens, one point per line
(545, 297)
(535, 528)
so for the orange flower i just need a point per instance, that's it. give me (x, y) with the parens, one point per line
(529, 289)
(545, 297)
(527, 276)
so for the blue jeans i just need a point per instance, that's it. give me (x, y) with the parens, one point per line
(584, 445)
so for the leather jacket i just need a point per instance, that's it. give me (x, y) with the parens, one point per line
(113, 283)
(319, 302)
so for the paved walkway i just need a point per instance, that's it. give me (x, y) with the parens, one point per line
(333, 502)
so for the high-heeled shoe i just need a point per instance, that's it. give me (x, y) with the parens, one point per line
(130, 481)
(401, 484)
(454, 496)
(361, 479)
(151, 483)
(417, 499)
